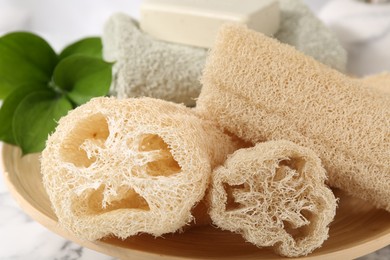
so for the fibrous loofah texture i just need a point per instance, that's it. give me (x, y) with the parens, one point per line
(301, 28)
(260, 90)
(275, 196)
(148, 67)
(379, 82)
(127, 166)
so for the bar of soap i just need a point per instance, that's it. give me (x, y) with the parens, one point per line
(196, 22)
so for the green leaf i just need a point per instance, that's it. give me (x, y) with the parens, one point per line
(5, 88)
(36, 117)
(25, 58)
(8, 109)
(83, 78)
(91, 47)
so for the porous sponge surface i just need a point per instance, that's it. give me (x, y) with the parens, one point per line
(259, 89)
(122, 167)
(145, 66)
(274, 194)
(379, 82)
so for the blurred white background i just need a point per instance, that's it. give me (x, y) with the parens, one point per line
(61, 22)
(362, 29)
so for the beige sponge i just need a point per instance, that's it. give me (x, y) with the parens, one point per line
(259, 89)
(145, 66)
(275, 196)
(379, 82)
(122, 167)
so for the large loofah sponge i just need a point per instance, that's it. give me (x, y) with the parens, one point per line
(122, 167)
(260, 89)
(301, 28)
(379, 82)
(148, 67)
(275, 196)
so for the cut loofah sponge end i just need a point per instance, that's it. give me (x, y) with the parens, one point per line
(274, 195)
(123, 167)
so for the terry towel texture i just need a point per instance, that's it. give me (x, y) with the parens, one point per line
(260, 89)
(123, 167)
(145, 66)
(274, 194)
(301, 28)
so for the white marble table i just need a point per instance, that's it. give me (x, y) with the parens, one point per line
(22, 238)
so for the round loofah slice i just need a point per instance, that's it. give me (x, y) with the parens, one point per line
(122, 167)
(274, 195)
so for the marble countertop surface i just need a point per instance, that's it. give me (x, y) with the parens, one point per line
(363, 31)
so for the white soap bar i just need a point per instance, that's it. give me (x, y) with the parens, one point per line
(196, 22)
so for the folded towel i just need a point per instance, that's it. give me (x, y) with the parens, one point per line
(301, 28)
(148, 67)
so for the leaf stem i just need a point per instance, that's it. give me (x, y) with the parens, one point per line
(52, 85)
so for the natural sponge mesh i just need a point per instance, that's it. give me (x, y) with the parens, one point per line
(95, 130)
(274, 195)
(259, 89)
(126, 198)
(163, 164)
(122, 167)
(379, 82)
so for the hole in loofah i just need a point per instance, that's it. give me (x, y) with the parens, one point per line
(293, 163)
(127, 198)
(95, 130)
(231, 203)
(163, 163)
(286, 166)
(300, 232)
(152, 142)
(236, 139)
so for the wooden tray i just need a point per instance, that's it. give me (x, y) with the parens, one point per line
(357, 230)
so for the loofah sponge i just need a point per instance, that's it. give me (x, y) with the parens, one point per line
(260, 89)
(148, 67)
(122, 167)
(275, 196)
(380, 82)
(301, 28)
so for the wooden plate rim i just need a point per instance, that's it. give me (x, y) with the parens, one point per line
(359, 249)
